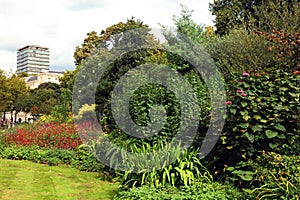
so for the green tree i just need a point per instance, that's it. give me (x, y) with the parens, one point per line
(4, 93)
(231, 14)
(62, 113)
(51, 86)
(67, 80)
(11, 89)
(23, 74)
(94, 39)
(106, 39)
(86, 47)
(24, 102)
(17, 87)
(185, 25)
(45, 100)
(276, 15)
(264, 15)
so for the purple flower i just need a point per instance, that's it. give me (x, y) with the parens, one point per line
(246, 74)
(243, 94)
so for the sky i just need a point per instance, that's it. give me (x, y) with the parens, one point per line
(62, 25)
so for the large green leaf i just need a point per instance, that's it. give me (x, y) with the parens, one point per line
(244, 104)
(244, 175)
(256, 128)
(280, 127)
(271, 134)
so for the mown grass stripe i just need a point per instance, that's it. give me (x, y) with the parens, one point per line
(26, 180)
(6, 176)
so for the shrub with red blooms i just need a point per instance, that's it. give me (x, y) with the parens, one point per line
(286, 46)
(53, 136)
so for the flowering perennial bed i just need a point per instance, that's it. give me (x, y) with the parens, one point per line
(53, 135)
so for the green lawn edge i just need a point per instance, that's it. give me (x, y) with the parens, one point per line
(20, 179)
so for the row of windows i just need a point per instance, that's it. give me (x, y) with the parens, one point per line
(30, 70)
(32, 56)
(29, 53)
(33, 61)
(40, 67)
(36, 63)
(33, 51)
(26, 67)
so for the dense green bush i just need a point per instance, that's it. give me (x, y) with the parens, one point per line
(186, 169)
(263, 114)
(20, 153)
(269, 176)
(81, 158)
(196, 191)
(55, 156)
(239, 51)
(84, 160)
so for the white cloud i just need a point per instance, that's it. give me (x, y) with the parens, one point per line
(84, 4)
(61, 25)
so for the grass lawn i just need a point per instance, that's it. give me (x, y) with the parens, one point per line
(26, 180)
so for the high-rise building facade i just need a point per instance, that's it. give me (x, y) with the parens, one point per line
(33, 59)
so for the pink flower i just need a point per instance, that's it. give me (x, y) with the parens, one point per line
(240, 91)
(246, 74)
(243, 94)
(228, 103)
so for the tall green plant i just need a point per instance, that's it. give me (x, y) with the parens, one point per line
(239, 51)
(262, 113)
(270, 176)
(185, 170)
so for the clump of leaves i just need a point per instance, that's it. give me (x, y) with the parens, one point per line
(262, 114)
(286, 46)
(270, 176)
(200, 190)
(179, 168)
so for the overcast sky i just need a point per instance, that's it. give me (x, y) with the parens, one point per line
(62, 25)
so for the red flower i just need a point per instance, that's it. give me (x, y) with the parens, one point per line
(61, 136)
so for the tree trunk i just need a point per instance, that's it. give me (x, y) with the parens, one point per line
(16, 115)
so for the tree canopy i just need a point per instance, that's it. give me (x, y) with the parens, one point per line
(264, 15)
(11, 89)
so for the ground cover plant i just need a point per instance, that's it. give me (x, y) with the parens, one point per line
(208, 191)
(269, 176)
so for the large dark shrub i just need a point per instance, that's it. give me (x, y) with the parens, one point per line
(263, 114)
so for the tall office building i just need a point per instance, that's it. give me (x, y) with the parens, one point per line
(33, 59)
